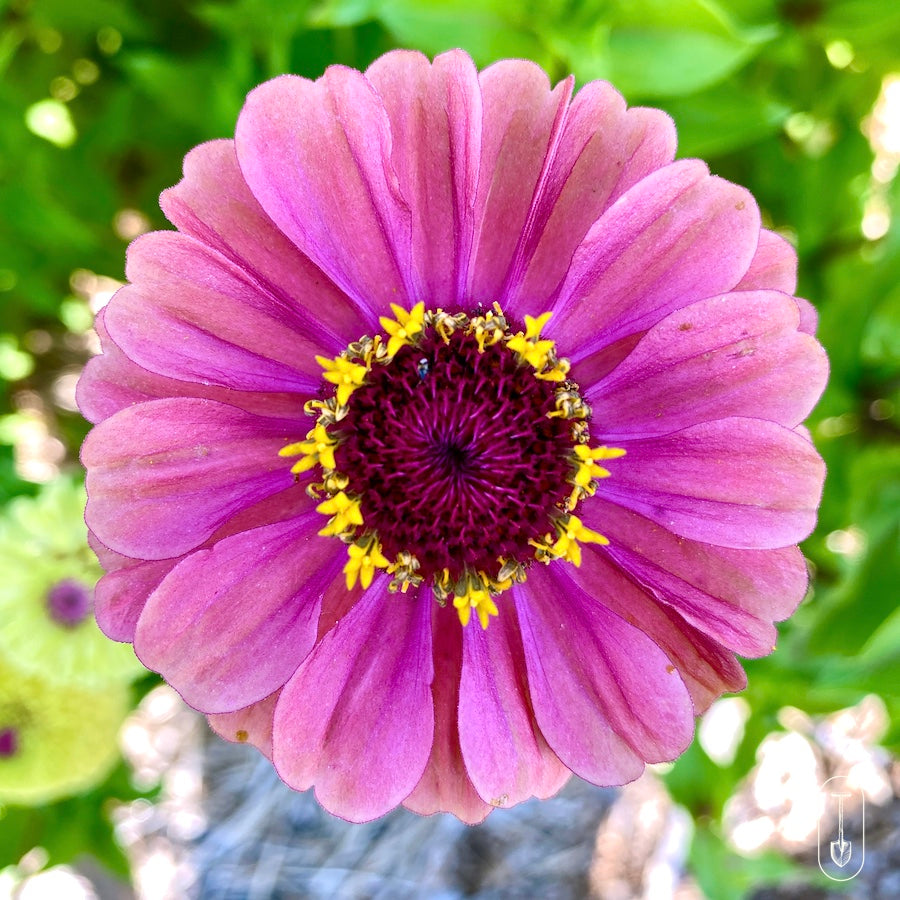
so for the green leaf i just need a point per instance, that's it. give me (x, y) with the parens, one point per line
(726, 875)
(669, 49)
(487, 29)
(344, 13)
(861, 606)
(698, 784)
(724, 118)
(647, 62)
(70, 828)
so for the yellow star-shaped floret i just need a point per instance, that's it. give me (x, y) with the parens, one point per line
(537, 352)
(347, 375)
(405, 327)
(363, 562)
(588, 469)
(317, 448)
(478, 599)
(344, 512)
(571, 531)
(534, 326)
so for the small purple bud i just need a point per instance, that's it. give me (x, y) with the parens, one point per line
(69, 602)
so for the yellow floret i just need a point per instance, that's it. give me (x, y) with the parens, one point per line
(587, 467)
(363, 562)
(539, 353)
(478, 599)
(347, 375)
(345, 514)
(571, 530)
(405, 327)
(317, 448)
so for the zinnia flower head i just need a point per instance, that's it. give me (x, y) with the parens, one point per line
(453, 442)
(47, 578)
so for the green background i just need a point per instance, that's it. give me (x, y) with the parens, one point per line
(774, 95)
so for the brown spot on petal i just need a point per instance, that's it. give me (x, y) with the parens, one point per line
(241, 735)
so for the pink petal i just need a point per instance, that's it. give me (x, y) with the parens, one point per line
(735, 355)
(111, 382)
(435, 123)
(445, 785)
(230, 624)
(522, 119)
(251, 725)
(162, 476)
(743, 483)
(773, 267)
(316, 156)
(706, 667)
(677, 236)
(213, 204)
(809, 316)
(606, 697)
(603, 150)
(357, 718)
(120, 596)
(192, 315)
(505, 753)
(732, 595)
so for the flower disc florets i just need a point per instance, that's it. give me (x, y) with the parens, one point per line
(453, 451)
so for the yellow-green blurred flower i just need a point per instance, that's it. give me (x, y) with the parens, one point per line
(47, 577)
(55, 739)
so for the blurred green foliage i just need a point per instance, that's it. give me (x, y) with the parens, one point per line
(777, 95)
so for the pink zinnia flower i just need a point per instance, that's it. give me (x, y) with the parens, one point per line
(453, 443)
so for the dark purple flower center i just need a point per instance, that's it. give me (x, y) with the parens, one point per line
(69, 602)
(9, 742)
(453, 456)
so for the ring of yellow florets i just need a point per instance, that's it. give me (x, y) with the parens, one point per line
(469, 590)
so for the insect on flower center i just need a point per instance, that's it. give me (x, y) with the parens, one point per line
(453, 452)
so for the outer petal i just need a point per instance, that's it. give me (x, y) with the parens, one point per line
(190, 314)
(445, 785)
(773, 267)
(251, 725)
(677, 236)
(316, 156)
(506, 754)
(731, 595)
(435, 121)
(162, 476)
(522, 120)
(111, 382)
(743, 483)
(705, 666)
(606, 698)
(735, 355)
(229, 625)
(120, 595)
(602, 151)
(213, 204)
(357, 718)
(809, 316)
